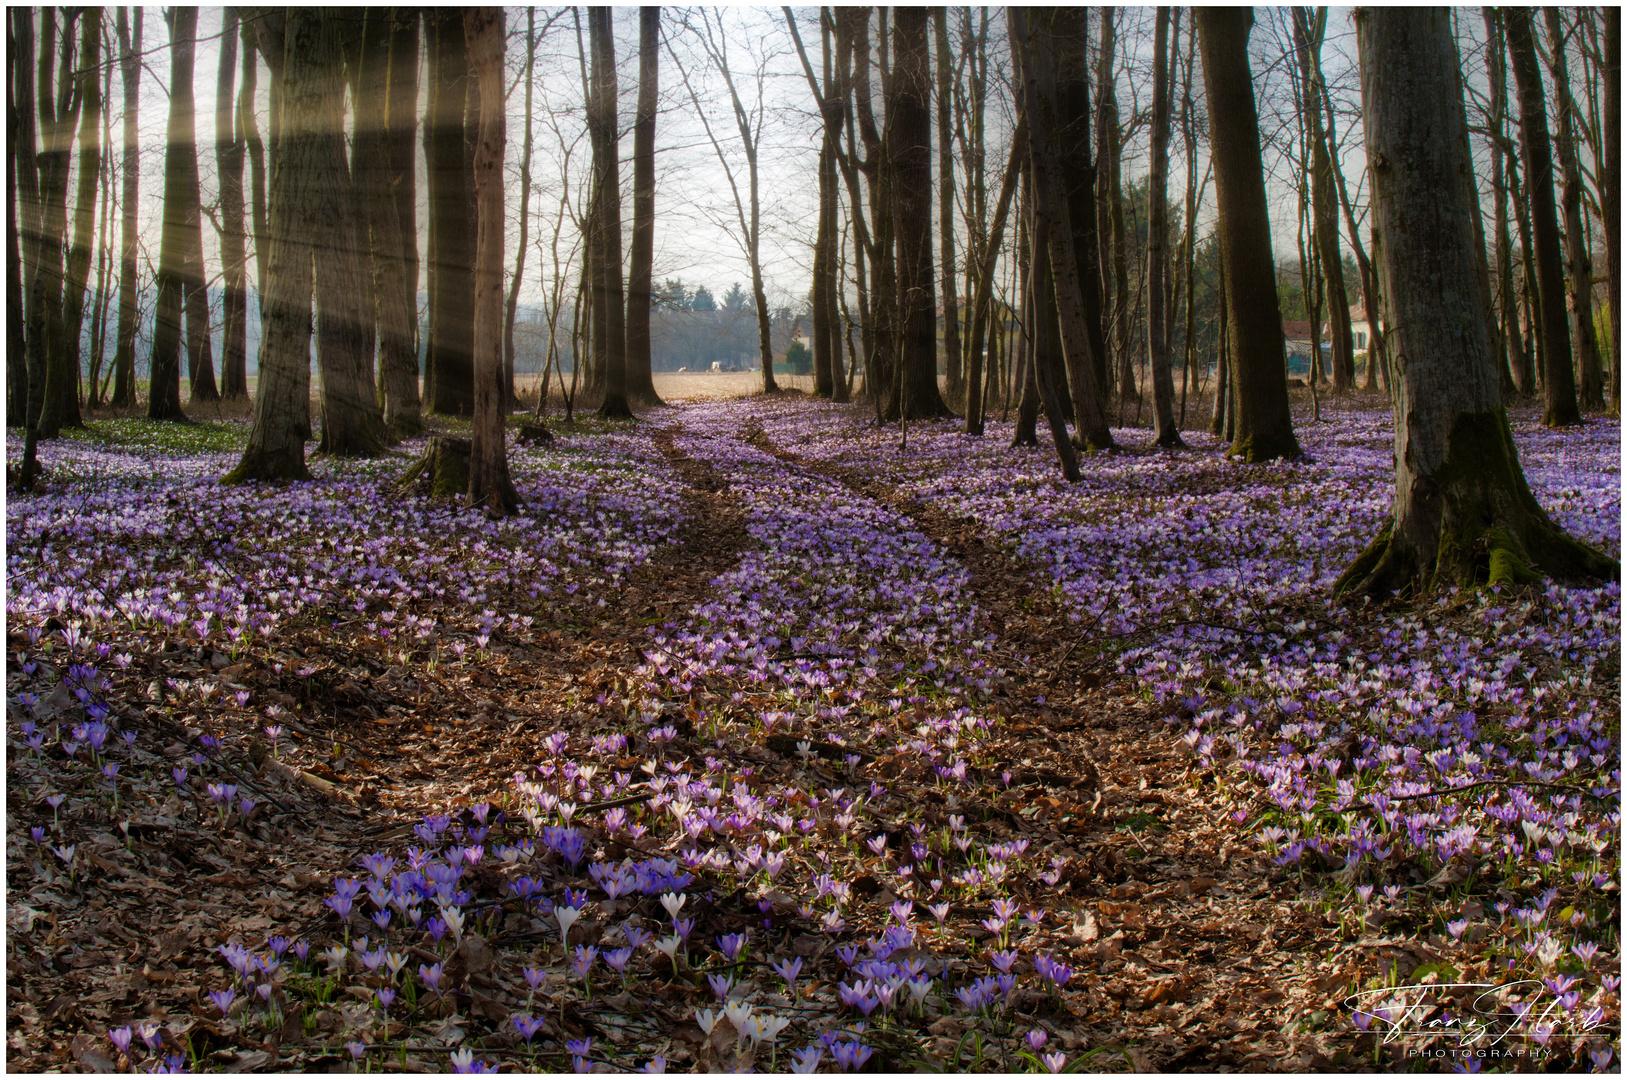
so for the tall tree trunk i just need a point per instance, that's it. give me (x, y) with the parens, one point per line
(248, 127)
(830, 102)
(1110, 211)
(946, 205)
(200, 355)
(1530, 306)
(527, 77)
(1579, 272)
(489, 485)
(449, 370)
(1610, 189)
(403, 123)
(1158, 345)
(1189, 136)
(1508, 328)
(305, 77)
(1324, 200)
(1264, 428)
(1028, 405)
(27, 164)
(1042, 282)
(63, 389)
(1070, 36)
(1050, 220)
(352, 421)
(640, 377)
(385, 120)
(124, 351)
(837, 49)
(1364, 266)
(164, 391)
(981, 306)
(909, 122)
(882, 359)
(1220, 419)
(229, 165)
(610, 298)
(1559, 383)
(58, 119)
(1462, 511)
(16, 335)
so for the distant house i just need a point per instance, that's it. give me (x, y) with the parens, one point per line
(1296, 335)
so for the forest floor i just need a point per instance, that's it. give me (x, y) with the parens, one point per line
(758, 739)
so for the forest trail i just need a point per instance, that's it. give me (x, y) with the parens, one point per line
(1180, 921)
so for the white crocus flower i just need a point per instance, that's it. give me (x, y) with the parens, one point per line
(567, 917)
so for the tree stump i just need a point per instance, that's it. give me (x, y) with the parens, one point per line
(443, 470)
(535, 435)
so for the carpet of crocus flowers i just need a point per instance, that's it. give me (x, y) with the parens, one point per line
(333, 776)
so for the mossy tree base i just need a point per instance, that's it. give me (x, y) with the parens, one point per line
(1473, 522)
(615, 407)
(405, 426)
(442, 471)
(1256, 449)
(268, 466)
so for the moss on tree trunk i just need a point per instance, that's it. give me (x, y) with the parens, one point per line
(1473, 522)
(442, 471)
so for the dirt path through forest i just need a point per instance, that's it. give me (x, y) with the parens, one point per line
(1192, 953)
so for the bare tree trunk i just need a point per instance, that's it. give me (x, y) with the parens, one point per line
(164, 390)
(1158, 351)
(1559, 384)
(850, 165)
(1324, 201)
(61, 407)
(449, 370)
(229, 166)
(640, 376)
(1110, 211)
(610, 298)
(909, 126)
(58, 118)
(403, 123)
(249, 133)
(1220, 419)
(946, 205)
(1530, 306)
(200, 353)
(28, 166)
(1023, 431)
(16, 335)
(981, 306)
(489, 483)
(385, 119)
(1189, 379)
(306, 78)
(1049, 216)
(1070, 37)
(124, 354)
(1264, 428)
(882, 357)
(527, 77)
(1462, 511)
(352, 422)
(1511, 350)
(1610, 189)
(829, 101)
(1579, 272)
